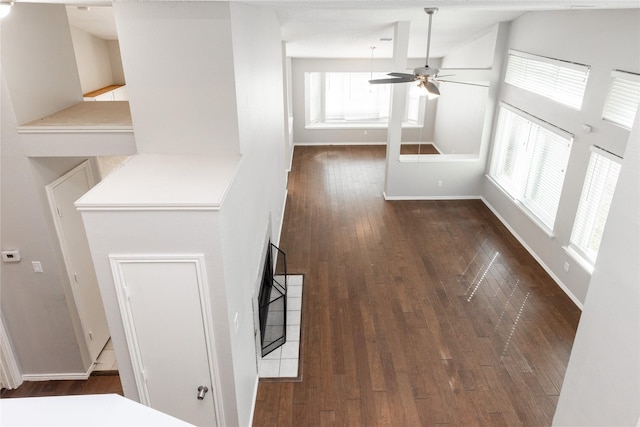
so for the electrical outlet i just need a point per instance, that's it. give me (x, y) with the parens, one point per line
(566, 266)
(37, 266)
(439, 183)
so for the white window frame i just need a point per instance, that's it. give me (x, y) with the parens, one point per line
(529, 152)
(623, 99)
(561, 81)
(315, 105)
(595, 200)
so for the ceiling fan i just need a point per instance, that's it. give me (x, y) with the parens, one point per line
(425, 76)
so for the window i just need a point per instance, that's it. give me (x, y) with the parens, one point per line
(623, 99)
(343, 98)
(561, 81)
(529, 161)
(595, 200)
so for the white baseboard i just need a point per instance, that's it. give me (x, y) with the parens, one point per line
(57, 377)
(338, 143)
(390, 198)
(546, 268)
(255, 397)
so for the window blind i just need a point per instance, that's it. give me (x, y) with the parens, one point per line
(561, 81)
(529, 162)
(595, 200)
(623, 99)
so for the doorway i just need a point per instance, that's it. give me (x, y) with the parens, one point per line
(62, 194)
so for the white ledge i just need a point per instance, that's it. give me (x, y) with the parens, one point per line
(437, 158)
(164, 182)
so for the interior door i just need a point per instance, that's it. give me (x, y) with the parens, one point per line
(73, 240)
(163, 301)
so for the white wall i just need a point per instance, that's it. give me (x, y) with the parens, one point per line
(38, 310)
(115, 59)
(93, 59)
(602, 383)
(460, 175)
(254, 206)
(461, 109)
(253, 124)
(180, 81)
(460, 118)
(38, 60)
(605, 40)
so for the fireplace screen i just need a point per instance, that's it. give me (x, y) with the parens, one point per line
(273, 300)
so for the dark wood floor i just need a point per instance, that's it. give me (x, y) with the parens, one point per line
(416, 312)
(418, 149)
(97, 384)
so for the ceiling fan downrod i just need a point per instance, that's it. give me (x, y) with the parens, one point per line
(429, 11)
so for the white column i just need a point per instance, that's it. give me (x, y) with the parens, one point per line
(398, 97)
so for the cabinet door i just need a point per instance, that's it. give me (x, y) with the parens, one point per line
(166, 317)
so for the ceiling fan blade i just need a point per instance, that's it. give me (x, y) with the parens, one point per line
(446, 75)
(406, 75)
(432, 88)
(394, 80)
(462, 83)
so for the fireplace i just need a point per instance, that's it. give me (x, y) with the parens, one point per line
(272, 300)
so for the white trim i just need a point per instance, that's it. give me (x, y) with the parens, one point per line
(606, 154)
(255, 399)
(117, 261)
(533, 218)
(311, 144)
(579, 259)
(11, 375)
(284, 207)
(546, 125)
(58, 377)
(150, 207)
(558, 62)
(392, 198)
(627, 75)
(555, 278)
(358, 126)
(74, 129)
(437, 158)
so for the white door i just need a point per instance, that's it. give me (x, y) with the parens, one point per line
(62, 195)
(164, 306)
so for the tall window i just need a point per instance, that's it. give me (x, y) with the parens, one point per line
(623, 99)
(561, 81)
(595, 200)
(348, 98)
(529, 163)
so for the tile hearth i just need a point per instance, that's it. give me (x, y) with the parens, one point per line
(283, 362)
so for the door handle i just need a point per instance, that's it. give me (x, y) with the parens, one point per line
(202, 390)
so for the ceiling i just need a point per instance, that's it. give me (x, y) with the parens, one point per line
(348, 29)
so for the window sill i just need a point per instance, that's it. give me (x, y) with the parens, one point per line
(436, 158)
(579, 259)
(356, 125)
(533, 218)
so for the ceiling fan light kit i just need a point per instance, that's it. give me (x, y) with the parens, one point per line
(5, 8)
